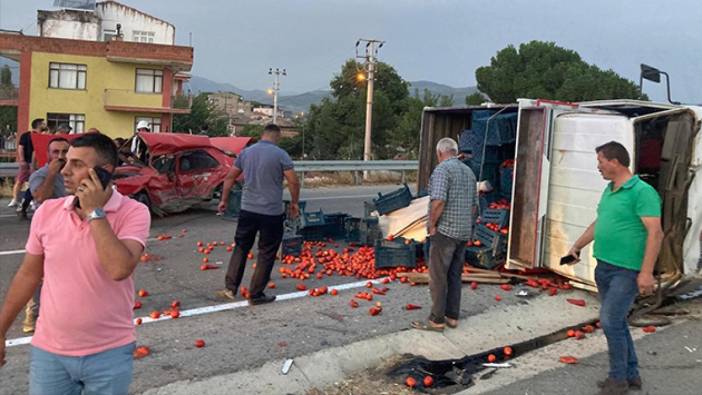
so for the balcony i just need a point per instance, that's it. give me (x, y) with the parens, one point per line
(127, 100)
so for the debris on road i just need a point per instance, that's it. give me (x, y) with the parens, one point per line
(286, 366)
(141, 352)
(567, 359)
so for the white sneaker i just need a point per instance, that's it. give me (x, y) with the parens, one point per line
(33, 206)
(13, 203)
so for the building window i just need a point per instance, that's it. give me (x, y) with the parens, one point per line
(154, 123)
(67, 76)
(109, 35)
(75, 121)
(143, 37)
(149, 81)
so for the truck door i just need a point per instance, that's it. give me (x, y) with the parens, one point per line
(531, 182)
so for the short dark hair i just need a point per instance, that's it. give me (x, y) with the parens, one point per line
(37, 122)
(103, 145)
(614, 150)
(271, 128)
(57, 140)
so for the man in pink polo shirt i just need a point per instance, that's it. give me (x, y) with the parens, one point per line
(85, 247)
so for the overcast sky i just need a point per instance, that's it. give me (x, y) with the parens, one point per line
(438, 40)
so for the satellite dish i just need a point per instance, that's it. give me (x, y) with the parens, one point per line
(87, 5)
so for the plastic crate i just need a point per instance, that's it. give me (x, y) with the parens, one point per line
(500, 130)
(315, 233)
(369, 231)
(352, 227)
(483, 257)
(392, 201)
(291, 245)
(314, 218)
(489, 238)
(495, 216)
(233, 205)
(335, 224)
(506, 178)
(395, 253)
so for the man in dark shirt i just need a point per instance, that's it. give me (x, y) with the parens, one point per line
(264, 166)
(25, 151)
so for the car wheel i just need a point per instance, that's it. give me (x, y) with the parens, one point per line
(217, 193)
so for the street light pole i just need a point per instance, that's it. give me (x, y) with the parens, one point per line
(370, 56)
(276, 88)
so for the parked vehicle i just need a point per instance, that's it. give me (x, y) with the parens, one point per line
(171, 172)
(556, 186)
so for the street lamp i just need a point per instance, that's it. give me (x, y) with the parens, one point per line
(276, 88)
(654, 75)
(370, 56)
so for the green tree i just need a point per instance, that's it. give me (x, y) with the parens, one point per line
(475, 99)
(202, 114)
(335, 128)
(543, 70)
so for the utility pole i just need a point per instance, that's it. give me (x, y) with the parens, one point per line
(276, 88)
(370, 57)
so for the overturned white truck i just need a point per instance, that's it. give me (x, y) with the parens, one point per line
(556, 185)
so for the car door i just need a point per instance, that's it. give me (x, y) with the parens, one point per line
(194, 171)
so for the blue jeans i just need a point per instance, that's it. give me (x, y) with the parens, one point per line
(618, 290)
(107, 372)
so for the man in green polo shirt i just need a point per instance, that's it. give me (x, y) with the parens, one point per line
(628, 236)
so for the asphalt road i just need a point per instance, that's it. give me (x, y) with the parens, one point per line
(242, 337)
(239, 338)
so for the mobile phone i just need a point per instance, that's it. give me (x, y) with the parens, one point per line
(568, 259)
(103, 175)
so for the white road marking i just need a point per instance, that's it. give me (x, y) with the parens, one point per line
(11, 252)
(338, 197)
(217, 308)
(16, 252)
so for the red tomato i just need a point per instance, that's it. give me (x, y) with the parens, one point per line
(199, 343)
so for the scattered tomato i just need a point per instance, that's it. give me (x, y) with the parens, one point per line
(375, 310)
(175, 313)
(155, 314)
(410, 382)
(137, 321)
(271, 285)
(142, 293)
(411, 306)
(199, 343)
(506, 287)
(428, 381)
(576, 302)
(301, 287)
(175, 303)
(353, 303)
(649, 329)
(507, 351)
(492, 358)
(498, 298)
(137, 305)
(141, 352)
(568, 360)
(334, 292)
(473, 285)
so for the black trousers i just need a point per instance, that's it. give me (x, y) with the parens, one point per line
(270, 234)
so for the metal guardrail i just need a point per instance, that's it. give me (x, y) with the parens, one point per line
(354, 165)
(10, 169)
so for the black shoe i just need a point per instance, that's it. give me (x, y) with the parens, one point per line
(263, 299)
(634, 384)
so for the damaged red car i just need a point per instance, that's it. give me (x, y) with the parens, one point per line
(171, 172)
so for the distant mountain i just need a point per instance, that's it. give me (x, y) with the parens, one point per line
(459, 94)
(303, 101)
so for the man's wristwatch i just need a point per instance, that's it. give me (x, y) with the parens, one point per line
(98, 213)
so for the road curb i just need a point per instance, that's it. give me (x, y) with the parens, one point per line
(498, 326)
